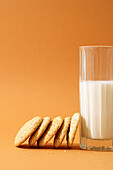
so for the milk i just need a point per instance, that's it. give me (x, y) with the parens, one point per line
(96, 108)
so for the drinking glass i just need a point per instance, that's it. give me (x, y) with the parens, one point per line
(96, 97)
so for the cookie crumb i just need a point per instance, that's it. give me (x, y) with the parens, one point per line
(65, 151)
(51, 152)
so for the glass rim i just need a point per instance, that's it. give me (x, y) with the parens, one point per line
(96, 46)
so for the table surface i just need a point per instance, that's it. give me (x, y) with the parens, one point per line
(26, 158)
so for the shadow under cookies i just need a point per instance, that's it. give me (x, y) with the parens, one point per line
(50, 146)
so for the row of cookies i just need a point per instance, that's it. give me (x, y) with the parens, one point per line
(41, 130)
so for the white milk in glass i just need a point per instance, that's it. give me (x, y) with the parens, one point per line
(96, 107)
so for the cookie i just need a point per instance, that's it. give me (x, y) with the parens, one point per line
(27, 129)
(59, 137)
(38, 133)
(51, 131)
(73, 128)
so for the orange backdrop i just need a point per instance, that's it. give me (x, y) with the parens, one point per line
(39, 56)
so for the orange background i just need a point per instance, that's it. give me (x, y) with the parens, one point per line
(39, 72)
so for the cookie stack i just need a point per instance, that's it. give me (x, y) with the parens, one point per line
(42, 130)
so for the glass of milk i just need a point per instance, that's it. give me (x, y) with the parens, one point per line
(96, 97)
